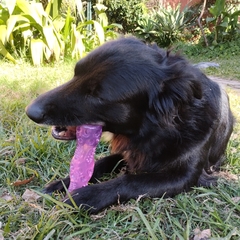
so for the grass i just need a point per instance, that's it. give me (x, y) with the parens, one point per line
(225, 54)
(27, 150)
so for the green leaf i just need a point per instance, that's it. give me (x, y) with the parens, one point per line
(34, 10)
(103, 19)
(4, 16)
(77, 46)
(24, 6)
(5, 53)
(55, 8)
(143, 218)
(33, 23)
(99, 31)
(58, 24)
(3, 33)
(236, 13)
(210, 19)
(48, 8)
(47, 53)
(57, 50)
(27, 34)
(38, 11)
(217, 8)
(67, 27)
(11, 23)
(37, 46)
(10, 4)
(80, 13)
(224, 24)
(54, 46)
(114, 25)
(49, 36)
(22, 27)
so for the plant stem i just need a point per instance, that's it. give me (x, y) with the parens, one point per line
(199, 22)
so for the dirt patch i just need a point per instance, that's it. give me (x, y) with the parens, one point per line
(233, 84)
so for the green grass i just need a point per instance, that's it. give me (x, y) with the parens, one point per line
(227, 55)
(27, 149)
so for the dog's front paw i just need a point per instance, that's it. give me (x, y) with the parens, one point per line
(83, 199)
(57, 185)
(92, 198)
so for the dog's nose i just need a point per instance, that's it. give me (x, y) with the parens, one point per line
(35, 113)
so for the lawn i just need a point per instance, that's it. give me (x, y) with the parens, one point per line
(28, 153)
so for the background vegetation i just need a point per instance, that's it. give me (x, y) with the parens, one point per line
(45, 31)
(31, 158)
(30, 29)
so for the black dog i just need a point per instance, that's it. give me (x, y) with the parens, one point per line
(170, 123)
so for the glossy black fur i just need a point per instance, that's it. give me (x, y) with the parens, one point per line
(171, 123)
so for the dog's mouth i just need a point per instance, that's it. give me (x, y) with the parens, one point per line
(64, 133)
(82, 163)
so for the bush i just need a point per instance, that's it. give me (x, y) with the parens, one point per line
(28, 29)
(125, 12)
(225, 18)
(164, 25)
(227, 49)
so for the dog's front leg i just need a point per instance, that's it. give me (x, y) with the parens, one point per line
(57, 185)
(98, 196)
(102, 166)
(113, 163)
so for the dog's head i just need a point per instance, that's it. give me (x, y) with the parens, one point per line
(119, 86)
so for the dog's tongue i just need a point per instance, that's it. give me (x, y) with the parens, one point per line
(82, 163)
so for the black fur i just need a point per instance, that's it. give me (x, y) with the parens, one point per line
(171, 123)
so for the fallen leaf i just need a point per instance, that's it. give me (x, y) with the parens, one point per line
(21, 161)
(6, 152)
(6, 197)
(236, 199)
(30, 196)
(202, 235)
(23, 182)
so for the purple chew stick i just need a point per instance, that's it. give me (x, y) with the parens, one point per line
(82, 163)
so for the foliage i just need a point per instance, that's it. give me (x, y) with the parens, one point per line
(147, 29)
(164, 25)
(125, 12)
(225, 54)
(226, 50)
(225, 19)
(26, 28)
(79, 38)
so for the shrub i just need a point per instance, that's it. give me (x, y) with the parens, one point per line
(227, 49)
(125, 12)
(27, 29)
(81, 35)
(147, 29)
(164, 25)
(224, 16)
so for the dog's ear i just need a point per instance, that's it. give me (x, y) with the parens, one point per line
(172, 95)
(196, 89)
